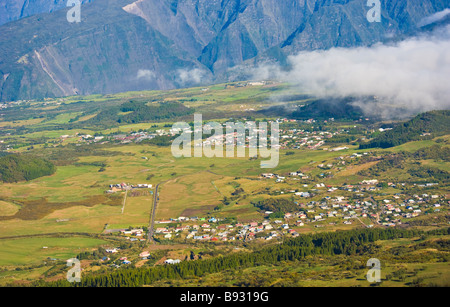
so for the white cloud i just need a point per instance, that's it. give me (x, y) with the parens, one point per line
(145, 74)
(413, 74)
(192, 76)
(433, 18)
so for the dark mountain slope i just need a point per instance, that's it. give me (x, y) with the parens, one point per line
(102, 54)
(123, 45)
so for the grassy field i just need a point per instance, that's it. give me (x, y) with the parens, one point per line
(7, 208)
(35, 250)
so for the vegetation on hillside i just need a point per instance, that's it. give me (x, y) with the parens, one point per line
(133, 112)
(275, 205)
(14, 168)
(426, 125)
(329, 108)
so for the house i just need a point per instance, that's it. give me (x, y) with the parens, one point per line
(160, 230)
(144, 254)
(268, 175)
(164, 222)
(369, 182)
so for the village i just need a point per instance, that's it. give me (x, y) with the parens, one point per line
(291, 138)
(331, 211)
(336, 211)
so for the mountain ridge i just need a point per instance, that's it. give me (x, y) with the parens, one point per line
(166, 44)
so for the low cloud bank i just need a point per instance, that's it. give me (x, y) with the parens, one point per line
(410, 76)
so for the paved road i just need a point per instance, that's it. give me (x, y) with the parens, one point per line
(151, 225)
(124, 200)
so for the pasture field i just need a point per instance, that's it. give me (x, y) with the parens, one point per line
(33, 250)
(7, 208)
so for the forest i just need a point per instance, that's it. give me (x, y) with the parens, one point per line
(14, 168)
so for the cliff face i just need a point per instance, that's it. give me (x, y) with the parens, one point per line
(125, 45)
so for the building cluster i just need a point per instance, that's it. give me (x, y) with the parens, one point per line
(119, 187)
(390, 211)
